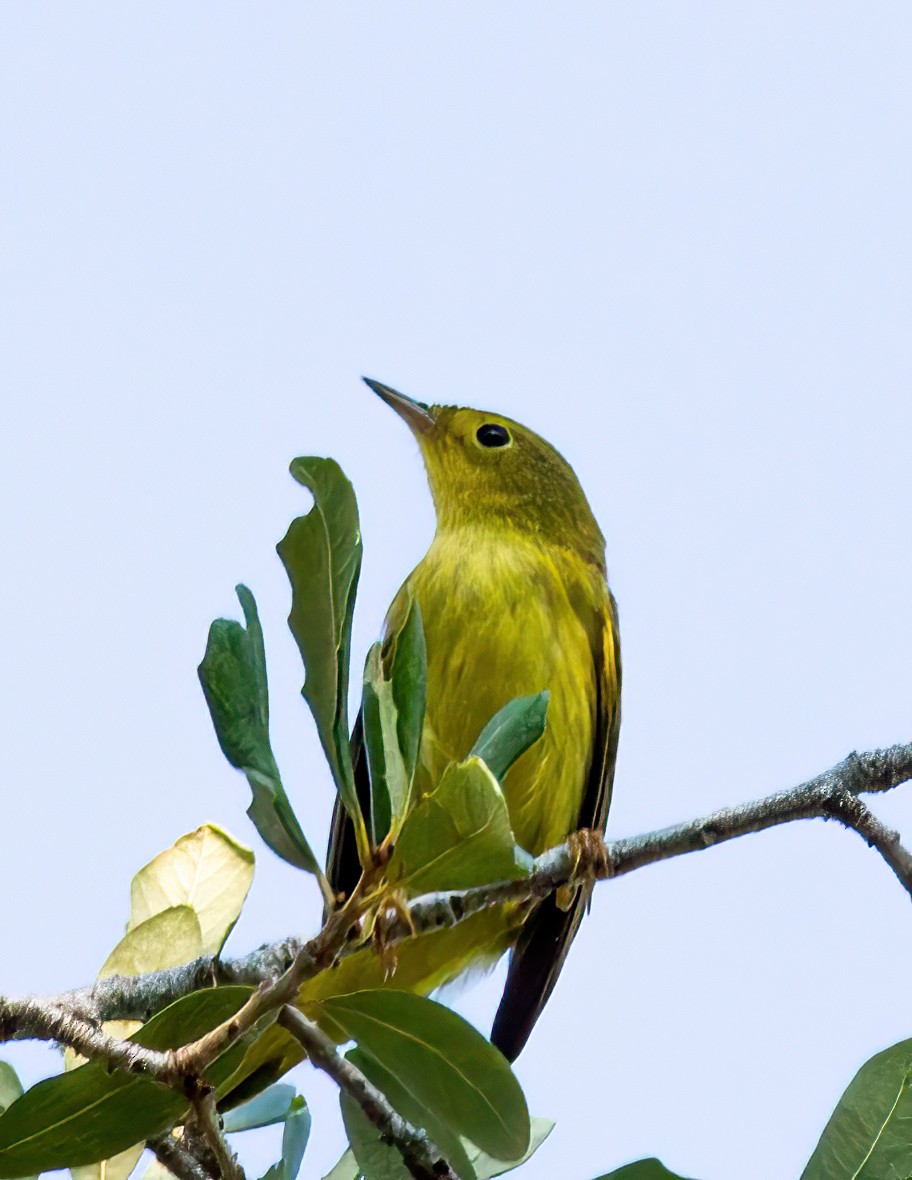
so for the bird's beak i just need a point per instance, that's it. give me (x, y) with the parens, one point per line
(416, 414)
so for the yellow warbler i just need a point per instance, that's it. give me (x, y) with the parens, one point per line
(514, 599)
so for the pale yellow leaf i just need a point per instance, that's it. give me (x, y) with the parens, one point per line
(208, 870)
(118, 1167)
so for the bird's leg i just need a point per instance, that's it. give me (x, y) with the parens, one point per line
(393, 913)
(591, 863)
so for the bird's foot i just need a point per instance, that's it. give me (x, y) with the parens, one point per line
(590, 856)
(591, 862)
(387, 930)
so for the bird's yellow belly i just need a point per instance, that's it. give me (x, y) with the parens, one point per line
(499, 624)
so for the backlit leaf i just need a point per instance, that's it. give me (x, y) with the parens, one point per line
(486, 1167)
(457, 836)
(208, 870)
(10, 1086)
(165, 940)
(440, 1059)
(233, 676)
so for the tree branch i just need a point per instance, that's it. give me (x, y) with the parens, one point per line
(281, 968)
(74, 1018)
(181, 1163)
(423, 1160)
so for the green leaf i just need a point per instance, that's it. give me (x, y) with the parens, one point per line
(867, 1136)
(511, 731)
(650, 1169)
(386, 767)
(406, 656)
(91, 1114)
(345, 1168)
(321, 553)
(373, 1157)
(486, 1167)
(442, 1061)
(10, 1086)
(393, 705)
(411, 1107)
(458, 836)
(233, 676)
(294, 1140)
(165, 940)
(269, 1107)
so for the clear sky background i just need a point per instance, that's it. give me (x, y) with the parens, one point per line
(673, 238)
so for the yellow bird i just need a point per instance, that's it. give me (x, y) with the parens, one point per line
(514, 599)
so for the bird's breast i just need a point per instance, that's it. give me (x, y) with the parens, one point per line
(502, 620)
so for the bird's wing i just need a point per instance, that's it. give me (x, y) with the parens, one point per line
(546, 934)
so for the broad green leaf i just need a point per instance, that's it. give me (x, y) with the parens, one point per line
(10, 1086)
(233, 676)
(373, 1157)
(267, 1108)
(442, 1061)
(457, 836)
(869, 1134)
(651, 1169)
(486, 1167)
(294, 1140)
(416, 1112)
(207, 870)
(92, 1113)
(321, 553)
(511, 731)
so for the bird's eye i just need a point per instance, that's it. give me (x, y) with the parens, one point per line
(492, 435)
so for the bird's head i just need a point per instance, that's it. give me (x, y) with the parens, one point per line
(487, 471)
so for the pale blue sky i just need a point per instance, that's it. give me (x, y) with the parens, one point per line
(672, 238)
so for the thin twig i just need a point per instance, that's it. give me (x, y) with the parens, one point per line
(422, 1158)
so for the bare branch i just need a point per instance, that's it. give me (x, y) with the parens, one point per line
(207, 1123)
(171, 1153)
(47, 1020)
(423, 1160)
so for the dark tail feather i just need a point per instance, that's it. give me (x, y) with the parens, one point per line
(534, 967)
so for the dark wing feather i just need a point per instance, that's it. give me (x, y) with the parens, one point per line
(343, 869)
(547, 933)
